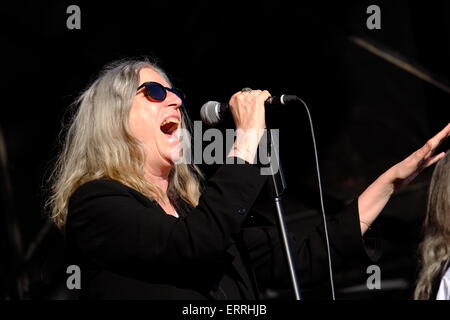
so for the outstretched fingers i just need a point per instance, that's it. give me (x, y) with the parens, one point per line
(439, 138)
(424, 155)
(433, 160)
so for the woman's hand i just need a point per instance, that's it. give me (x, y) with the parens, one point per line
(247, 109)
(372, 201)
(404, 172)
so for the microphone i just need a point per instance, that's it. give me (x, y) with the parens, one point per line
(213, 112)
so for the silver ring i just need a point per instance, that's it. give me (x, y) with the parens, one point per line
(246, 90)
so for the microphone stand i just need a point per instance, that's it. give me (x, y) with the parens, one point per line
(278, 188)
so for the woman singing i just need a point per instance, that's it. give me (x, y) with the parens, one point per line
(143, 225)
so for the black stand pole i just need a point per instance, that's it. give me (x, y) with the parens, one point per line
(279, 186)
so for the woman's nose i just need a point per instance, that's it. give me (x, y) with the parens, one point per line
(173, 100)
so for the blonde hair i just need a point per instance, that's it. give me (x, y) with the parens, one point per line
(99, 144)
(435, 247)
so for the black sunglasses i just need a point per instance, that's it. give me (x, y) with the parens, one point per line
(158, 92)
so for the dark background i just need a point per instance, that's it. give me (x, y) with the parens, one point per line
(368, 114)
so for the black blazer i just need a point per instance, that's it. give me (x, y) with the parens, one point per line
(128, 248)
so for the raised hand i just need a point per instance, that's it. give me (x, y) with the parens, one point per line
(372, 201)
(405, 171)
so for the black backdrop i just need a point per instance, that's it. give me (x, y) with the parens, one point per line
(368, 114)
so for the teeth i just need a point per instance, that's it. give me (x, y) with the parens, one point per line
(169, 120)
(169, 125)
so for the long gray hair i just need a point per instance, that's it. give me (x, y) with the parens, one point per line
(99, 144)
(435, 247)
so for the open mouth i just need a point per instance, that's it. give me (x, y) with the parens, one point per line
(169, 126)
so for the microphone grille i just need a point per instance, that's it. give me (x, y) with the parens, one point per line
(210, 112)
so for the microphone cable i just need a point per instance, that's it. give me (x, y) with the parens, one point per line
(321, 197)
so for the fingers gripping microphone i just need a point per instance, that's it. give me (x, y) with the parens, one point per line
(213, 112)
